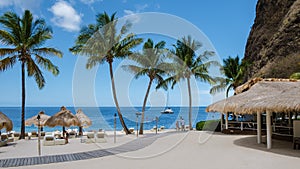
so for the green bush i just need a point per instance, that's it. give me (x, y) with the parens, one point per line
(209, 125)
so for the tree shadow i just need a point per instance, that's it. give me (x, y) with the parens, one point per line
(278, 146)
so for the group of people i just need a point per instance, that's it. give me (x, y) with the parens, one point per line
(180, 124)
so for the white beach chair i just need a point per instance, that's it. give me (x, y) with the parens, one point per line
(90, 137)
(100, 137)
(49, 140)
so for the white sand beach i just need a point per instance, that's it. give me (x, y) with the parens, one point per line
(176, 150)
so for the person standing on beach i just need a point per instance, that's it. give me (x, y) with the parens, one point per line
(182, 124)
(177, 125)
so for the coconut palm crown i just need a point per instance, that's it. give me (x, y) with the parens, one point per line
(234, 71)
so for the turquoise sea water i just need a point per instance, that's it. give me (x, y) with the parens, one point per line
(103, 117)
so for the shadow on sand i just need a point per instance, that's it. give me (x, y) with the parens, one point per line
(278, 146)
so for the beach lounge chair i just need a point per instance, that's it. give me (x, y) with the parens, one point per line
(10, 137)
(296, 136)
(16, 135)
(100, 137)
(72, 134)
(49, 140)
(34, 134)
(153, 129)
(3, 143)
(90, 137)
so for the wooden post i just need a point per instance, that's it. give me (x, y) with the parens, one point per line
(222, 121)
(226, 121)
(269, 130)
(290, 119)
(242, 126)
(258, 128)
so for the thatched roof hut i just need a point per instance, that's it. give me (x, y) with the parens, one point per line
(5, 122)
(261, 95)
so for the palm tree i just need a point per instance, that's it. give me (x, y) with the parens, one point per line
(234, 71)
(187, 64)
(24, 38)
(100, 42)
(150, 63)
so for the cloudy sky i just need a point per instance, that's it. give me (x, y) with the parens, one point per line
(222, 26)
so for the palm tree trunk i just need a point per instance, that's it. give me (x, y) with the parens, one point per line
(144, 107)
(22, 136)
(115, 99)
(190, 103)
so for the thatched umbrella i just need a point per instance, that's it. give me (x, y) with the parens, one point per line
(63, 118)
(5, 122)
(34, 121)
(85, 121)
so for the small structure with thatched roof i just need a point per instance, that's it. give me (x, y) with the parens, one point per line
(85, 121)
(259, 96)
(5, 122)
(63, 118)
(34, 119)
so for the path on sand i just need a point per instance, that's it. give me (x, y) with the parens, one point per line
(131, 146)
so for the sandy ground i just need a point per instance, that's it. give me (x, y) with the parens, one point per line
(174, 151)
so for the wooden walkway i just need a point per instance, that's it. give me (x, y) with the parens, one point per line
(131, 146)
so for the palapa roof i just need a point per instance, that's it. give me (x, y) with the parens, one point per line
(34, 121)
(262, 95)
(63, 118)
(5, 122)
(85, 121)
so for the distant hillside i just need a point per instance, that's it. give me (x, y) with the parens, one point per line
(273, 46)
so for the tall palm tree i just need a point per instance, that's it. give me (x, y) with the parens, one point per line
(150, 63)
(24, 38)
(187, 64)
(234, 71)
(100, 42)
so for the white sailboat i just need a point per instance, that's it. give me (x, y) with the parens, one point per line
(168, 110)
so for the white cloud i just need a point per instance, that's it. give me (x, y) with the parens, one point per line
(65, 16)
(133, 16)
(140, 8)
(6, 3)
(21, 4)
(89, 2)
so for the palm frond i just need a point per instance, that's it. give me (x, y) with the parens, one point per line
(7, 51)
(33, 70)
(47, 64)
(6, 38)
(7, 63)
(48, 51)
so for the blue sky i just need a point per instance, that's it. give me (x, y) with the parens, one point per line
(226, 24)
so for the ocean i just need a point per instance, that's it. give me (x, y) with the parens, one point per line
(103, 117)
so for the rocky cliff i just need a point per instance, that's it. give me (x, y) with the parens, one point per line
(273, 46)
